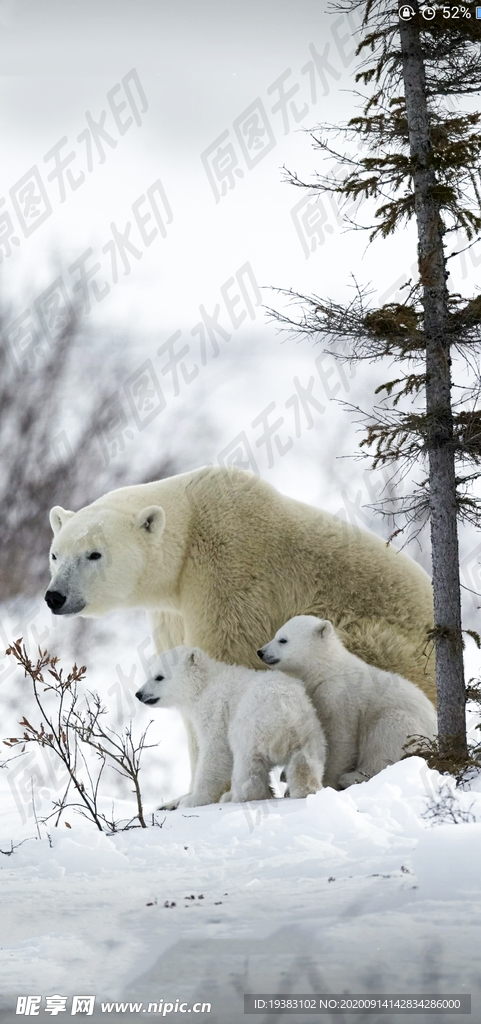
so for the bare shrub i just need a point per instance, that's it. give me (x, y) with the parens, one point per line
(460, 764)
(445, 809)
(74, 725)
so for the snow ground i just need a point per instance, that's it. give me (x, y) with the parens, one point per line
(343, 892)
(350, 892)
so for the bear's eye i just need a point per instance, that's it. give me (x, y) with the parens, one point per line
(158, 679)
(282, 641)
(94, 556)
(54, 557)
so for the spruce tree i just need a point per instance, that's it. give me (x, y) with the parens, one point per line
(421, 157)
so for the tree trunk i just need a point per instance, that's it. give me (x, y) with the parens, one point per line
(440, 440)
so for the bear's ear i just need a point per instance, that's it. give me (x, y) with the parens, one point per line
(325, 628)
(59, 516)
(151, 519)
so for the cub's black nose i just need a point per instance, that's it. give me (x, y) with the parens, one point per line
(139, 694)
(55, 600)
(261, 654)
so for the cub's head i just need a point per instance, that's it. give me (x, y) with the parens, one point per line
(297, 644)
(99, 556)
(174, 678)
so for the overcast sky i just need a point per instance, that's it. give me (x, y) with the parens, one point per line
(209, 123)
(142, 146)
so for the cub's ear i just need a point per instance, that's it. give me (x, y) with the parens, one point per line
(151, 519)
(196, 656)
(59, 516)
(325, 628)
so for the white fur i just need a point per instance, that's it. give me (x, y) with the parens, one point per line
(367, 714)
(219, 559)
(245, 722)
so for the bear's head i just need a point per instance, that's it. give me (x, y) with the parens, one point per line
(298, 644)
(175, 677)
(99, 557)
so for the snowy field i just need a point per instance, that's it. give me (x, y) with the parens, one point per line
(342, 893)
(355, 892)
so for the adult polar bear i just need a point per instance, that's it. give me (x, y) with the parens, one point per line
(221, 560)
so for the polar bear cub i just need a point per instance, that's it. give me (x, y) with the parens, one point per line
(245, 723)
(367, 714)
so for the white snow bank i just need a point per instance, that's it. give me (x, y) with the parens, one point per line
(88, 852)
(339, 892)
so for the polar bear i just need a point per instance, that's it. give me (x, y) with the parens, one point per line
(367, 714)
(220, 560)
(245, 724)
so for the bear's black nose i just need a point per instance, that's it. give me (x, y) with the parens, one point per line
(139, 695)
(261, 654)
(55, 600)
